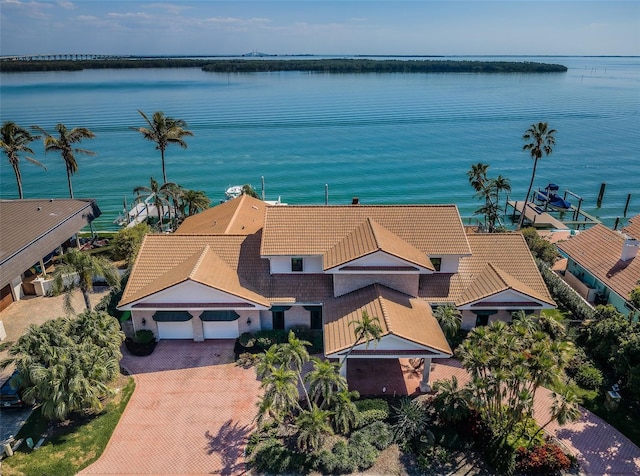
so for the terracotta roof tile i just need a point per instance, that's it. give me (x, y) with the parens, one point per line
(243, 215)
(368, 238)
(507, 252)
(399, 314)
(599, 250)
(633, 228)
(313, 230)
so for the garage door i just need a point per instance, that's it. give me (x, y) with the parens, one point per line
(220, 324)
(174, 324)
(175, 330)
(220, 330)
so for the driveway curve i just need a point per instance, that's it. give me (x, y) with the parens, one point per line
(191, 413)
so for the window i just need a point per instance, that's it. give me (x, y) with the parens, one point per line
(437, 263)
(482, 320)
(278, 319)
(296, 264)
(316, 318)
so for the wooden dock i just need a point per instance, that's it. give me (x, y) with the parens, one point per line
(536, 216)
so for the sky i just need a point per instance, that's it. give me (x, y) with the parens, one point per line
(365, 27)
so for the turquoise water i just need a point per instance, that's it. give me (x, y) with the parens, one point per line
(386, 138)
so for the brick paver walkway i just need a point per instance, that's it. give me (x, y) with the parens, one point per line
(191, 413)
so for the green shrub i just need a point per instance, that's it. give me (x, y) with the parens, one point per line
(361, 451)
(266, 338)
(564, 295)
(127, 242)
(338, 460)
(368, 417)
(543, 459)
(144, 336)
(271, 456)
(589, 377)
(372, 404)
(378, 433)
(247, 339)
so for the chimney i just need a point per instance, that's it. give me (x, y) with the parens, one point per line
(629, 249)
(355, 201)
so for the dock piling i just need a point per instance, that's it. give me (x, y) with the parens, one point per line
(615, 225)
(601, 194)
(626, 205)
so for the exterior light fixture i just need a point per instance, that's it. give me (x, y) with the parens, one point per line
(144, 321)
(248, 321)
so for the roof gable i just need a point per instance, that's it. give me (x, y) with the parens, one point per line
(243, 215)
(399, 315)
(492, 281)
(371, 237)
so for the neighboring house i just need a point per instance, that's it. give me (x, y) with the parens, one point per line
(32, 232)
(603, 265)
(245, 266)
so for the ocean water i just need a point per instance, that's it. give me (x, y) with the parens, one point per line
(385, 138)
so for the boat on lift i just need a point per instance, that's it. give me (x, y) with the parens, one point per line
(233, 192)
(549, 198)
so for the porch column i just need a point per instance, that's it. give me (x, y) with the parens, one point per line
(426, 371)
(196, 324)
(343, 367)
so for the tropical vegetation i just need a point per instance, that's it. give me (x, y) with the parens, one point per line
(540, 141)
(64, 145)
(77, 270)
(163, 131)
(489, 190)
(127, 241)
(66, 364)
(14, 141)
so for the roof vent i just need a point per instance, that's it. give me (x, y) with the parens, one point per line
(355, 201)
(630, 249)
(39, 208)
(50, 200)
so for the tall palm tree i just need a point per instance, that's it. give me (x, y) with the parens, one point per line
(500, 184)
(85, 266)
(324, 381)
(312, 426)
(160, 195)
(280, 395)
(294, 354)
(14, 141)
(64, 144)
(541, 140)
(449, 319)
(478, 175)
(345, 413)
(365, 329)
(163, 131)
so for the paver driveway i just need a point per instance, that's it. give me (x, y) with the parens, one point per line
(191, 413)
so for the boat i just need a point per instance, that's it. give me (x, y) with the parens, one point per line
(233, 192)
(549, 197)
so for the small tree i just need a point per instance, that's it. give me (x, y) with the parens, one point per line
(85, 266)
(15, 140)
(449, 319)
(127, 242)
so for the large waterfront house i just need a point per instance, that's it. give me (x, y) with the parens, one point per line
(244, 266)
(603, 265)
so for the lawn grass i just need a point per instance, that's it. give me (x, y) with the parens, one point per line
(74, 445)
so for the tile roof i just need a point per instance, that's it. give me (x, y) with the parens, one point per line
(204, 267)
(598, 250)
(633, 227)
(368, 238)
(313, 230)
(512, 263)
(399, 314)
(243, 215)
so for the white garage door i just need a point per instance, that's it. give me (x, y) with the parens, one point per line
(175, 330)
(220, 329)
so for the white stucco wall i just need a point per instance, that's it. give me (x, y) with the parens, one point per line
(282, 264)
(345, 283)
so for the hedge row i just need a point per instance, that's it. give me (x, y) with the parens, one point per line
(564, 295)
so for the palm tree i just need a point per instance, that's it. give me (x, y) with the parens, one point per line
(280, 396)
(163, 131)
(85, 266)
(268, 361)
(449, 319)
(64, 144)
(312, 426)
(452, 401)
(195, 201)
(324, 381)
(500, 184)
(367, 329)
(564, 409)
(293, 353)
(345, 412)
(160, 195)
(541, 141)
(478, 175)
(15, 140)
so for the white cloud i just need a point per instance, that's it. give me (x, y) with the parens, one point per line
(141, 15)
(67, 5)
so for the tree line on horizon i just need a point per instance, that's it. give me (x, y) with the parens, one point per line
(337, 65)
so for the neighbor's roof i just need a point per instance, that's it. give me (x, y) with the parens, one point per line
(633, 228)
(511, 267)
(33, 228)
(313, 230)
(369, 238)
(243, 215)
(598, 250)
(398, 314)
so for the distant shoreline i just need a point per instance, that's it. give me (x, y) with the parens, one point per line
(269, 64)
